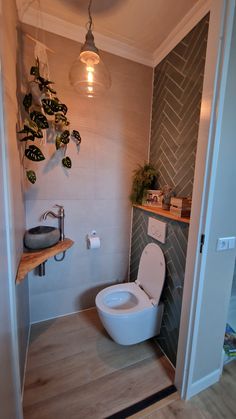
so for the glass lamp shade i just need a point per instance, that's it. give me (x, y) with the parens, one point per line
(89, 76)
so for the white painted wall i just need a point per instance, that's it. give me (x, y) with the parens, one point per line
(18, 301)
(95, 193)
(11, 221)
(10, 378)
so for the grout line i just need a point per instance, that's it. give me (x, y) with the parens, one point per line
(130, 241)
(168, 359)
(151, 109)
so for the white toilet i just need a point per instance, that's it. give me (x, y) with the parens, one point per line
(131, 312)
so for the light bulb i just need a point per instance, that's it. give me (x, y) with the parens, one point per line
(90, 71)
(88, 75)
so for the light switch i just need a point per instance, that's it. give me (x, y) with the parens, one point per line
(231, 242)
(222, 244)
(225, 243)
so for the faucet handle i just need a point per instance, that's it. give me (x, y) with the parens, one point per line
(61, 210)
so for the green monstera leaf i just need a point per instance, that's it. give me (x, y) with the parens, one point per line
(76, 135)
(58, 142)
(48, 106)
(60, 118)
(27, 102)
(66, 162)
(34, 71)
(28, 138)
(61, 107)
(65, 137)
(40, 119)
(31, 176)
(34, 153)
(31, 130)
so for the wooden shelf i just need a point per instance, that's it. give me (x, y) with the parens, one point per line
(32, 259)
(163, 213)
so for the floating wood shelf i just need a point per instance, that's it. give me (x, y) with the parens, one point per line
(32, 259)
(163, 213)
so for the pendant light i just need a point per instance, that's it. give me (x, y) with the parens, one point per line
(88, 74)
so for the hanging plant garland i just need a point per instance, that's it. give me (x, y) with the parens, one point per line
(39, 117)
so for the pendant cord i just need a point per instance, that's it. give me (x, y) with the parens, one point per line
(90, 22)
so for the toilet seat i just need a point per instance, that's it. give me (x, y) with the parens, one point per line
(151, 272)
(139, 300)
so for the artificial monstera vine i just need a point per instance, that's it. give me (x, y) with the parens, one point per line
(44, 111)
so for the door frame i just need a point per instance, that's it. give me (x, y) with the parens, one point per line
(216, 69)
(14, 403)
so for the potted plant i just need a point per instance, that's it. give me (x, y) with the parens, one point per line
(44, 112)
(144, 178)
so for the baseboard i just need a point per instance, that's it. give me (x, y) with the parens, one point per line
(26, 358)
(61, 315)
(204, 383)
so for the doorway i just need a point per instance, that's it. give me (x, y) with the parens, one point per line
(209, 274)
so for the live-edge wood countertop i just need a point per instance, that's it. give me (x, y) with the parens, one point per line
(163, 213)
(32, 259)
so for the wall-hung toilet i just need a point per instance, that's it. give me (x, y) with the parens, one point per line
(131, 312)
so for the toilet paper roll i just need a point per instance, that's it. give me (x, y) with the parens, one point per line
(93, 242)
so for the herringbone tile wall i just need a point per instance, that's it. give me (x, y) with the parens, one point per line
(175, 256)
(178, 82)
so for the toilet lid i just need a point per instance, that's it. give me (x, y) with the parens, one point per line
(151, 273)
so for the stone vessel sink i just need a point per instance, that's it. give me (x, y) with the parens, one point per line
(41, 237)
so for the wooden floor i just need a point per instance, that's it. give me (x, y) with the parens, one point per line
(217, 402)
(75, 370)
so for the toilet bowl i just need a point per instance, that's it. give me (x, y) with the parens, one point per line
(131, 312)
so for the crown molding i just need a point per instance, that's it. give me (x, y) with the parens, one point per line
(77, 33)
(53, 24)
(181, 30)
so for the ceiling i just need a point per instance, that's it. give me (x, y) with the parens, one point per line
(142, 25)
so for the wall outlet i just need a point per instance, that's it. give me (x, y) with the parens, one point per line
(157, 229)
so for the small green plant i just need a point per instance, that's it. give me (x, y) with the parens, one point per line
(44, 111)
(144, 178)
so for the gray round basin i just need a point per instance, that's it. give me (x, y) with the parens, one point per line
(41, 237)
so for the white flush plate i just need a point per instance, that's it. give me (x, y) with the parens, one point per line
(157, 229)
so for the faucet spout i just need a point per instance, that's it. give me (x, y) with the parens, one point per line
(60, 216)
(51, 213)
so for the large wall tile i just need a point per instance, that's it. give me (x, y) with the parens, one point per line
(177, 92)
(178, 82)
(95, 192)
(174, 251)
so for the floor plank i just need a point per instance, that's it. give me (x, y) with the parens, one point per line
(217, 402)
(75, 370)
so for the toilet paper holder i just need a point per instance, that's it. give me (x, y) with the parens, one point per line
(93, 241)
